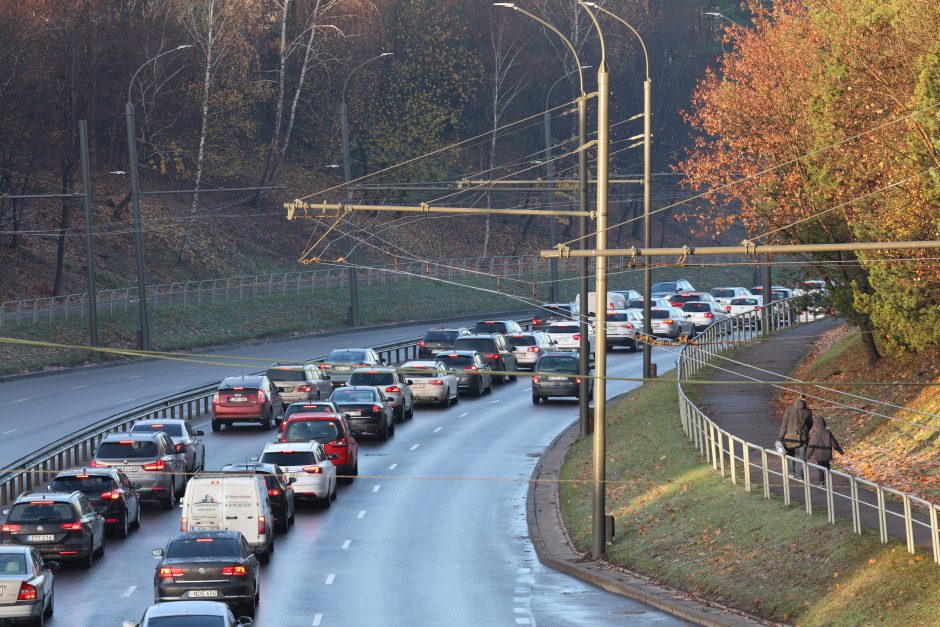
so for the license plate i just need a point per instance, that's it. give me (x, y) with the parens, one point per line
(128, 468)
(1, 590)
(355, 413)
(202, 594)
(237, 399)
(46, 537)
(206, 528)
(288, 389)
(556, 378)
(342, 368)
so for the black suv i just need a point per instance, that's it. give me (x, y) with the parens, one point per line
(109, 491)
(280, 490)
(556, 374)
(472, 371)
(495, 349)
(436, 340)
(503, 327)
(60, 525)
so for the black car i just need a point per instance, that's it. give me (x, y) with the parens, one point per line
(503, 327)
(109, 491)
(556, 374)
(495, 349)
(367, 410)
(208, 566)
(549, 313)
(473, 372)
(280, 492)
(309, 407)
(60, 525)
(436, 340)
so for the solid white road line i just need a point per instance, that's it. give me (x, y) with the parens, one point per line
(125, 400)
(361, 514)
(415, 446)
(438, 429)
(524, 571)
(130, 591)
(377, 488)
(316, 619)
(494, 402)
(466, 413)
(330, 578)
(527, 390)
(22, 400)
(393, 466)
(346, 544)
(10, 431)
(136, 376)
(79, 387)
(189, 368)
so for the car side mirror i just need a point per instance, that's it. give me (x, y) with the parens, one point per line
(254, 458)
(334, 456)
(52, 565)
(292, 480)
(410, 382)
(130, 623)
(245, 620)
(5, 512)
(200, 433)
(136, 486)
(157, 552)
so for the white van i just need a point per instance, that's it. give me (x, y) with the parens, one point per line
(615, 300)
(232, 503)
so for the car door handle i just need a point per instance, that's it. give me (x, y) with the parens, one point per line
(231, 518)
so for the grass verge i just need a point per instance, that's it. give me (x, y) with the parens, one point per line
(681, 523)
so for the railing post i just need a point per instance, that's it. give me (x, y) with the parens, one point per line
(856, 515)
(807, 488)
(882, 523)
(908, 523)
(934, 535)
(747, 466)
(830, 506)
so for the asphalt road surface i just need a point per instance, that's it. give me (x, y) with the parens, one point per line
(432, 533)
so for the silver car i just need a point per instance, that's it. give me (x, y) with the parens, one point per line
(26, 583)
(393, 383)
(671, 322)
(725, 295)
(431, 382)
(704, 315)
(186, 439)
(300, 382)
(188, 612)
(528, 346)
(622, 326)
(148, 459)
(341, 362)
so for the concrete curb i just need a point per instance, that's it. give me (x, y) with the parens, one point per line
(554, 549)
(9, 378)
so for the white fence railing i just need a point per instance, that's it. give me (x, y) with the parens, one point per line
(892, 513)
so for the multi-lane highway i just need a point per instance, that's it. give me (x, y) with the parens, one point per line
(434, 532)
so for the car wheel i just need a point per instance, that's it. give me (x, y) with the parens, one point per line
(399, 413)
(326, 502)
(411, 411)
(39, 621)
(284, 523)
(50, 610)
(136, 523)
(456, 396)
(216, 425)
(355, 470)
(170, 501)
(334, 492)
(384, 434)
(124, 528)
(634, 347)
(478, 389)
(489, 388)
(536, 399)
(251, 608)
(100, 551)
(445, 402)
(89, 560)
(265, 556)
(391, 427)
(266, 423)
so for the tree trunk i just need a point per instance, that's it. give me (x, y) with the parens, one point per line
(60, 244)
(868, 340)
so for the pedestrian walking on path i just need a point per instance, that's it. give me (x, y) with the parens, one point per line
(820, 445)
(794, 430)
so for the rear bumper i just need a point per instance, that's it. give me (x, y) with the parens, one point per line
(227, 591)
(566, 389)
(469, 382)
(227, 416)
(431, 397)
(308, 489)
(74, 550)
(621, 340)
(23, 609)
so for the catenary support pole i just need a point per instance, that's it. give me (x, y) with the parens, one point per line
(138, 230)
(89, 234)
(647, 201)
(584, 414)
(347, 176)
(549, 198)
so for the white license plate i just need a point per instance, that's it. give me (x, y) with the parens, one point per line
(556, 378)
(202, 594)
(355, 413)
(237, 399)
(342, 368)
(46, 537)
(128, 468)
(205, 528)
(1, 590)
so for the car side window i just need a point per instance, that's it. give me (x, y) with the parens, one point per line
(84, 507)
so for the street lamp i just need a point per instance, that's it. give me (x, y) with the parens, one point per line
(584, 347)
(144, 331)
(347, 177)
(722, 16)
(647, 183)
(550, 176)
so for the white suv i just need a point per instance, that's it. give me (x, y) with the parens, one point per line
(308, 463)
(567, 336)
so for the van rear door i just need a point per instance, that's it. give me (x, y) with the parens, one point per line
(205, 505)
(241, 508)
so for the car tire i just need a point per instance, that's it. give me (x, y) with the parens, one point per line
(445, 402)
(250, 608)
(391, 428)
(399, 414)
(170, 501)
(456, 396)
(536, 399)
(136, 523)
(50, 610)
(216, 425)
(266, 422)
(478, 389)
(327, 502)
(411, 411)
(89, 560)
(283, 525)
(39, 621)
(489, 388)
(384, 434)
(265, 556)
(100, 551)
(355, 470)
(124, 529)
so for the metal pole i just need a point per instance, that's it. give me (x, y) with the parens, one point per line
(347, 176)
(747, 248)
(138, 230)
(647, 270)
(550, 195)
(767, 297)
(599, 543)
(89, 235)
(584, 346)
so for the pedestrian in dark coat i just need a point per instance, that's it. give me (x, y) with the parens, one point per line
(794, 430)
(820, 445)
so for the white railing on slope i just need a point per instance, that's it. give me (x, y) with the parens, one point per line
(896, 513)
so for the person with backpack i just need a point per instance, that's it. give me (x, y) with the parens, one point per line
(794, 430)
(819, 446)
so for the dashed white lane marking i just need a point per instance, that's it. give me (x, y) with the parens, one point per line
(524, 571)
(415, 446)
(346, 544)
(10, 431)
(130, 591)
(519, 600)
(21, 400)
(189, 368)
(180, 387)
(294, 351)
(519, 610)
(316, 619)
(135, 376)
(330, 578)
(438, 429)
(527, 390)
(494, 402)
(377, 488)
(466, 413)
(125, 400)
(393, 466)
(520, 590)
(522, 621)
(361, 514)
(79, 387)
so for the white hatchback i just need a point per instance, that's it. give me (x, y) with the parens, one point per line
(308, 463)
(622, 326)
(567, 336)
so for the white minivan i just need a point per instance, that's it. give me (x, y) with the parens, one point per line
(232, 503)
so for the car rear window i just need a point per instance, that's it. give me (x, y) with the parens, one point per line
(186, 620)
(722, 293)
(31, 513)
(696, 307)
(668, 286)
(371, 378)
(479, 344)
(635, 304)
(284, 374)
(744, 301)
(204, 547)
(685, 298)
(307, 430)
(347, 356)
(522, 340)
(557, 364)
(174, 430)
(309, 408)
(490, 327)
(564, 328)
(455, 360)
(619, 317)
(353, 396)
(85, 483)
(13, 564)
(127, 449)
(288, 458)
(658, 314)
(441, 336)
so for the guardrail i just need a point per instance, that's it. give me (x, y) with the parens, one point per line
(897, 513)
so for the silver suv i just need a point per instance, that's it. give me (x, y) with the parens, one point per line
(393, 384)
(300, 382)
(148, 459)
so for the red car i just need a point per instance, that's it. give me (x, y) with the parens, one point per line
(246, 399)
(330, 430)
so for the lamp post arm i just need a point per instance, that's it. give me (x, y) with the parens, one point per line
(356, 69)
(600, 35)
(568, 43)
(646, 57)
(148, 62)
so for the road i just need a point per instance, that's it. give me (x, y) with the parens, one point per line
(434, 531)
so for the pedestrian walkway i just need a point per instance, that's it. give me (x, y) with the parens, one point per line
(747, 411)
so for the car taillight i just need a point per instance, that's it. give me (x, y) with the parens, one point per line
(158, 465)
(421, 343)
(9, 528)
(72, 526)
(215, 398)
(184, 524)
(576, 336)
(728, 308)
(261, 397)
(339, 443)
(94, 464)
(709, 314)
(535, 379)
(313, 470)
(234, 571)
(323, 366)
(533, 349)
(757, 308)
(111, 495)
(393, 388)
(470, 368)
(261, 528)
(27, 592)
(667, 321)
(304, 388)
(628, 326)
(676, 304)
(376, 409)
(274, 492)
(436, 382)
(492, 355)
(167, 573)
(180, 448)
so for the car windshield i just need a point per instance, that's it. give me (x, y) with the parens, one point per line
(173, 429)
(720, 292)
(479, 344)
(522, 340)
(36, 512)
(127, 449)
(635, 304)
(307, 430)
(744, 301)
(12, 564)
(564, 328)
(490, 327)
(667, 286)
(308, 408)
(684, 298)
(288, 458)
(204, 547)
(775, 295)
(455, 360)
(371, 378)
(658, 314)
(619, 317)
(285, 374)
(83, 483)
(441, 336)
(353, 396)
(696, 307)
(347, 357)
(187, 620)
(557, 364)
